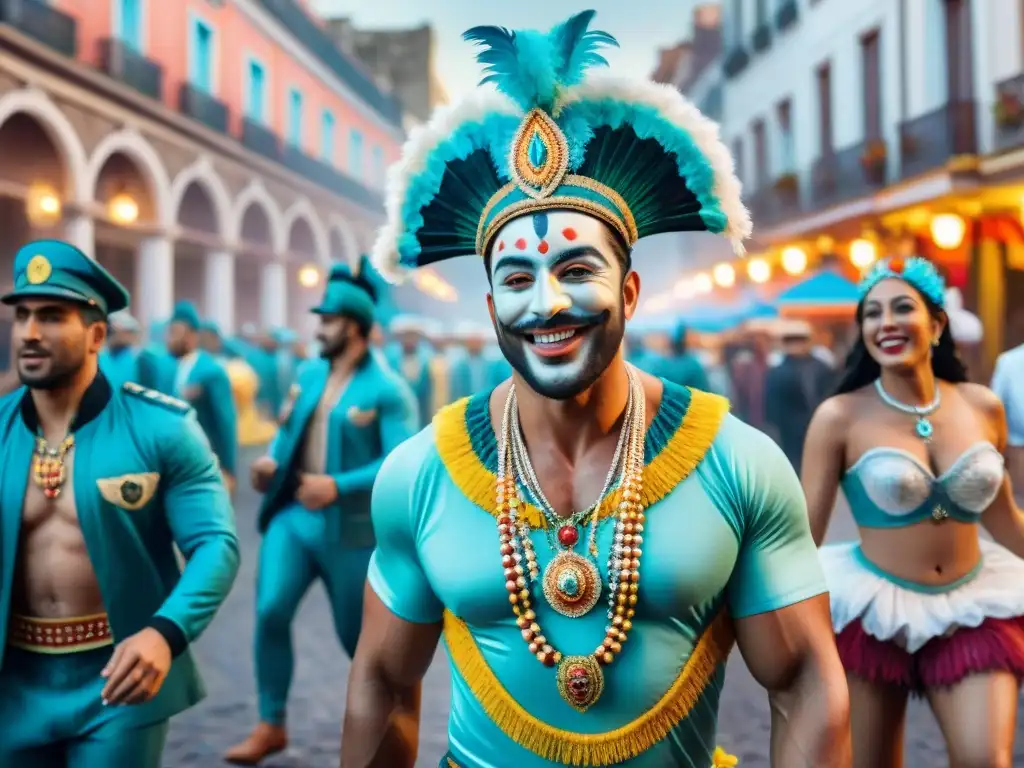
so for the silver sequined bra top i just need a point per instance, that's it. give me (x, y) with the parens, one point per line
(892, 488)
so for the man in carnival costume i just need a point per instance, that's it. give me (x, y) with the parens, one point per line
(486, 522)
(345, 413)
(100, 484)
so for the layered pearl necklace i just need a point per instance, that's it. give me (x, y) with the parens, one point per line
(580, 679)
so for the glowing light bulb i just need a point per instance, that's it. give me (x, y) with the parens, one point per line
(123, 209)
(703, 284)
(948, 230)
(863, 253)
(759, 271)
(794, 260)
(309, 276)
(725, 275)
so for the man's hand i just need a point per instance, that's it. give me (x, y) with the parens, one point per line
(137, 669)
(316, 491)
(229, 481)
(261, 472)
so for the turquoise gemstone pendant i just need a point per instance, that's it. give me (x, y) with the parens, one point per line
(924, 429)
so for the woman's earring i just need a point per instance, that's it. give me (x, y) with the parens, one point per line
(935, 342)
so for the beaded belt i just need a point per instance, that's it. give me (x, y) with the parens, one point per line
(55, 636)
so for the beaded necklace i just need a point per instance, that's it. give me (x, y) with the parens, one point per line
(48, 468)
(580, 679)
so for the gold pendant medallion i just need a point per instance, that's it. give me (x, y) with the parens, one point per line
(572, 584)
(580, 681)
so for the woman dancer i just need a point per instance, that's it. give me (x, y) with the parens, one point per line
(920, 605)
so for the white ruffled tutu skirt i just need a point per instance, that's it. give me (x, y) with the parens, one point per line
(892, 631)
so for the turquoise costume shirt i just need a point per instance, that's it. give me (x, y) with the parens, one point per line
(214, 404)
(144, 480)
(120, 365)
(414, 369)
(726, 537)
(471, 374)
(373, 416)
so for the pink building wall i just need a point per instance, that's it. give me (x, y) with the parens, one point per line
(166, 40)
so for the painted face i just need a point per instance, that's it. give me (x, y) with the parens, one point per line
(558, 302)
(897, 328)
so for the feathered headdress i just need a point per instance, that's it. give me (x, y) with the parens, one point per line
(553, 134)
(916, 271)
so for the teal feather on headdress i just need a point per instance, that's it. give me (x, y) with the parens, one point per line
(532, 68)
(386, 307)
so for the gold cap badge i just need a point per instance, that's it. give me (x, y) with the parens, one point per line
(38, 270)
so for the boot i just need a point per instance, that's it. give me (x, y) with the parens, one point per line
(264, 741)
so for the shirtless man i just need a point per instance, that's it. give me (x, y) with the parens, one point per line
(98, 485)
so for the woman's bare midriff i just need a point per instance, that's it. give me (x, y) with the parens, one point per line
(928, 553)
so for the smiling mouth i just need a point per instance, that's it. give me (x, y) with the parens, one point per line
(556, 342)
(893, 344)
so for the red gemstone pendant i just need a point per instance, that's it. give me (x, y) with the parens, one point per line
(568, 535)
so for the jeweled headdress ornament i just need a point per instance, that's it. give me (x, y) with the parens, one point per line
(916, 271)
(543, 132)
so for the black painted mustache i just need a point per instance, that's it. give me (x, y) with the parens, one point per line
(569, 317)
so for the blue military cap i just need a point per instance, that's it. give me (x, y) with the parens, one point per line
(210, 326)
(186, 312)
(59, 270)
(348, 294)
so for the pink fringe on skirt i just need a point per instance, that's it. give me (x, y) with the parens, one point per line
(998, 644)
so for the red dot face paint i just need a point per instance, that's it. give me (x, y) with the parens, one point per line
(543, 247)
(501, 245)
(521, 244)
(569, 233)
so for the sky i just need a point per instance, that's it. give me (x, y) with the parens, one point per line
(641, 27)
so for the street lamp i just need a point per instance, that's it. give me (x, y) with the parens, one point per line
(759, 271)
(42, 205)
(794, 260)
(862, 253)
(725, 275)
(309, 276)
(948, 230)
(123, 209)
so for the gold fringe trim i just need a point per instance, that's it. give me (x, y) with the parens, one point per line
(673, 463)
(588, 749)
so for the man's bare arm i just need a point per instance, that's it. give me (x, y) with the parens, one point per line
(792, 653)
(381, 727)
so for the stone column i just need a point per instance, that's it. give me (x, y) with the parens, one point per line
(274, 295)
(80, 232)
(154, 299)
(219, 294)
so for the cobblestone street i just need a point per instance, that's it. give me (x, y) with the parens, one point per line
(200, 736)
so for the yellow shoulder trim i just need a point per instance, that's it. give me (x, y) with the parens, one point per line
(571, 748)
(673, 463)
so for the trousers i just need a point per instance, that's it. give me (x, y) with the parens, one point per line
(295, 553)
(52, 716)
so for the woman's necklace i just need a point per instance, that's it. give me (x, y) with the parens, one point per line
(923, 428)
(580, 679)
(572, 582)
(48, 469)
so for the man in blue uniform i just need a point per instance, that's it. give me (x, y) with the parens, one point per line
(119, 360)
(346, 413)
(99, 484)
(202, 381)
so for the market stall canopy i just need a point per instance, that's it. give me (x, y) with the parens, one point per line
(719, 316)
(825, 293)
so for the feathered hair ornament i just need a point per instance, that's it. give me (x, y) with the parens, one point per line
(916, 271)
(545, 131)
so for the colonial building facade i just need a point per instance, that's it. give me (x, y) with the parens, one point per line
(223, 153)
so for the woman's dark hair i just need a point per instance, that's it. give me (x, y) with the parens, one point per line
(862, 369)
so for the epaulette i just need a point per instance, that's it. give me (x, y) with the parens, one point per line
(152, 396)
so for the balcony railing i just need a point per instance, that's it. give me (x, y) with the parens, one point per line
(787, 15)
(762, 38)
(315, 39)
(735, 62)
(203, 107)
(1008, 111)
(260, 139)
(825, 180)
(123, 63)
(929, 141)
(776, 202)
(327, 176)
(42, 23)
